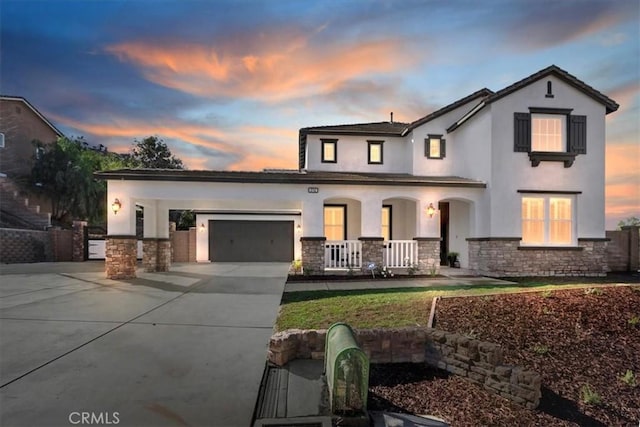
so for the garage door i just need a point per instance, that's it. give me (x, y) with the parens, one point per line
(259, 241)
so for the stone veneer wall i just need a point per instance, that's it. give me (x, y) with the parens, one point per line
(478, 361)
(313, 254)
(79, 241)
(156, 254)
(121, 257)
(504, 257)
(428, 254)
(372, 251)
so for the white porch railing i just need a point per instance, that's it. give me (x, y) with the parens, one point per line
(343, 254)
(400, 253)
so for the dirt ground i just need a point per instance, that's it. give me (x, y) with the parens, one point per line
(574, 339)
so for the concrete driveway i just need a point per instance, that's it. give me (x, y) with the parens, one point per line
(183, 348)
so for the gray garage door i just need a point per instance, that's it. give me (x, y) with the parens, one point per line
(260, 241)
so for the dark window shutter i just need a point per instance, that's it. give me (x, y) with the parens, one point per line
(521, 132)
(426, 147)
(578, 134)
(442, 148)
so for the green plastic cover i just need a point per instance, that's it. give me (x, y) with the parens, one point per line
(347, 371)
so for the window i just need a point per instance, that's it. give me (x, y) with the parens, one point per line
(434, 147)
(548, 132)
(386, 222)
(329, 150)
(335, 222)
(375, 152)
(547, 220)
(1, 140)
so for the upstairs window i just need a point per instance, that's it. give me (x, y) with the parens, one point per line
(375, 156)
(1, 140)
(548, 132)
(547, 221)
(434, 147)
(329, 150)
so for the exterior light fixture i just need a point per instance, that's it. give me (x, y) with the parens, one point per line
(431, 210)
(202, 228)
(299, 229)
(115, 206)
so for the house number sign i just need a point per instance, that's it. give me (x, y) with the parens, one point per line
(313, 189)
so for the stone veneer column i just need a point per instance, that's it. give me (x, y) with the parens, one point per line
(428, 254)
(165, 250)
(79, 250)
(372, 248)
(121, 257)
(313, 254)
(156, 254)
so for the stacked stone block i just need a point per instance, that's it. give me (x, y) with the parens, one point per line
(478, 361)
(121, 257)
(428, 254)
(372, 251)
(156, 254)
(18, 246)
(504, 257)
(313, 252)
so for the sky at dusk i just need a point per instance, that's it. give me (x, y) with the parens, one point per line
(228, 84)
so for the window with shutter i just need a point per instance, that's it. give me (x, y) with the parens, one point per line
(550, 134)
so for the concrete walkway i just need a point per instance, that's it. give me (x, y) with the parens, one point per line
(187, 347)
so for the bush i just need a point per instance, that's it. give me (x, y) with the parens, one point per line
(589, 396)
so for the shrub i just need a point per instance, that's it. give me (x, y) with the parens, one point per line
(546, 294)
(629, 378)
(589, 396)
(593, 291)
(541, 349)
(634, 320)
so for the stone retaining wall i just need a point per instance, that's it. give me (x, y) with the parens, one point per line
(18, 246)
(478, 361)
(504, 257)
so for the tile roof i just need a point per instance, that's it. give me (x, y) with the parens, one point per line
(290, 177)
(609, 103)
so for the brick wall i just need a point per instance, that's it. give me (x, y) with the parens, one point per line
(504, 257)
(478, 361)
(18, 246)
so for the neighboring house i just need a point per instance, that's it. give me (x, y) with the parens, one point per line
(511, 180)
(21, 124)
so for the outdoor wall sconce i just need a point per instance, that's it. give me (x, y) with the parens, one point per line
(202, 228)
(115, 206)
(299, 229)
(431, 210)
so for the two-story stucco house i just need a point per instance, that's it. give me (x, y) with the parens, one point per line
(511, 180)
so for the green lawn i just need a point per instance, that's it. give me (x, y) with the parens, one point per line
(385, 307)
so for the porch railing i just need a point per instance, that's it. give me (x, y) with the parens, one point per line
(400, 253)
(343, 254)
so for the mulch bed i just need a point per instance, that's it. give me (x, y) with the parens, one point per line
(571, 338)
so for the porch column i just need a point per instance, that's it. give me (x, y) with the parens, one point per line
(428, 238)
(156, 245)
(313, 254)
(121, 242)
(371, 232)
(313, 239)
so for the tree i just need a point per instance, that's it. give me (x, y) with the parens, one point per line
(632, 220)
(63, 171)
(153, 153)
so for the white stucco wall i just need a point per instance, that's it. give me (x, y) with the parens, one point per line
(353, 155)
(512, 171)
(459, 229)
